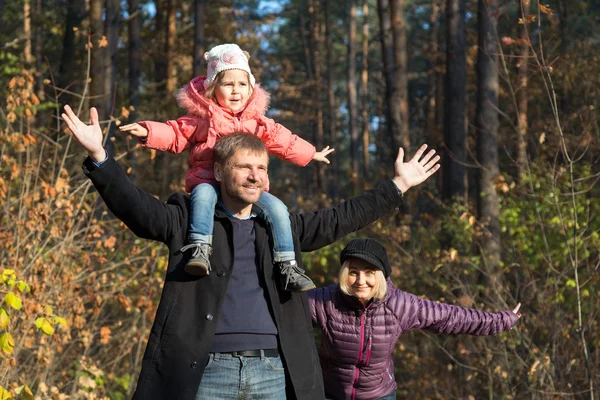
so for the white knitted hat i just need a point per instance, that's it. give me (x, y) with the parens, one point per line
(223, 57)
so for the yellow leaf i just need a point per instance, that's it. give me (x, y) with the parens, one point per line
(48, 309)
(59, 321)
(3, 318)
(472, 220)
(7, 343)
(47, 327)
(4, 394)
(25, 392)
(13, 300)
(453, 254)
(8, 272)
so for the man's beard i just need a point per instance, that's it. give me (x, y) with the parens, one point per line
(239, 195)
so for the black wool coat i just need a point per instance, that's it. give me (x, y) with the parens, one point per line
(185, 322)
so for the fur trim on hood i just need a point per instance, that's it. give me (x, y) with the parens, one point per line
(191, 98)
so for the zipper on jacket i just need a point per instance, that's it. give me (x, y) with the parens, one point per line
(369, 343)
(360, 352)
(387, 371)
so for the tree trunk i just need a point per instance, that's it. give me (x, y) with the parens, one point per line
(455, 130)
(65, 71)
(522, 79)
(199, 7)
(97, 57)
(487, 140)
(171, 35)
(433, 50)
(27, 34)
(392, 111)
(1, 9)
(39, 81)
(160, 62)
(315, 27)
(401, 68)
(133, 90)
(111, 29)
(352, 96)
(331, 110)
(365, 90)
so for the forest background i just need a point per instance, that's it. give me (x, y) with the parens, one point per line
(505, 90)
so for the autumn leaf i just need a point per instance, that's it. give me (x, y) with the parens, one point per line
(4, 394)
(7, 343)
(25, 392)
(124, 112)
(105, 334)
(110, 242)
(103, 42)
(545, 9)
(4, 319)
(527, 20)
(45, 325)
(13, 300)
(453, 254)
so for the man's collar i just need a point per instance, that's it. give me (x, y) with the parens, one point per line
(222, 211)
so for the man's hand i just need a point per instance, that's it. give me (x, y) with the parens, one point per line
(89, 136)
(135, 129)
(415, 171)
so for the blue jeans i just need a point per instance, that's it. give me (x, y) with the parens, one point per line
(272, 210)
(232, 377)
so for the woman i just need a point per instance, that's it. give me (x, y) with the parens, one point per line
(363, 316)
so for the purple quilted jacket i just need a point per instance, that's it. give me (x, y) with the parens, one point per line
(357, 344)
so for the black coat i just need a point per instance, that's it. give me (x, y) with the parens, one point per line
(186, 319)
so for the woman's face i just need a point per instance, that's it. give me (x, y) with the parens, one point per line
(361, 279)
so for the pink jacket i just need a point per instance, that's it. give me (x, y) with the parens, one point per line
(206, 121)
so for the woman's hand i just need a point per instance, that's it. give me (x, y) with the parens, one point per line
(89, 136)
(322, 155)
(516, 310)
(135, 129)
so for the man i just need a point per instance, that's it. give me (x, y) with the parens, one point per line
(233, 333)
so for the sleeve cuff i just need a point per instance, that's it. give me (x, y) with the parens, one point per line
(98, 164)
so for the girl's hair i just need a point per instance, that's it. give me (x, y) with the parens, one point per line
(209, 92)
(380, 282)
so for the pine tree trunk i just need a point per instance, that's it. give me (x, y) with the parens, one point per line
(487, 141)
(315, 27)
(331, 110)
(133, 90)
(522, 103)
(111, 29)
(392, 111)
(171, 35)
(65, 71)
(98, 56)
(433, 50)
(401, 68)
(1, 9)
(455, 130)
(27, 34)
(160, 62)
(39, 81)
(199, 9)
(352, 96)
(365, 90)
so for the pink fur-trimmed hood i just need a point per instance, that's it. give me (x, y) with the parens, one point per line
(191, 98)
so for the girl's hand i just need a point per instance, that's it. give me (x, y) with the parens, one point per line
(516, 310)
(322, 155)
(135, 129)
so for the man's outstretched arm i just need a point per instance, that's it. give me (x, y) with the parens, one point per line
(145, 215)
(323, 227)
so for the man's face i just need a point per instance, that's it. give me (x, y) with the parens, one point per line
(243, 178)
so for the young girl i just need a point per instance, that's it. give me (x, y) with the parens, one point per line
(226, 101)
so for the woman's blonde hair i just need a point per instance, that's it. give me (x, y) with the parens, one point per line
(380, 288)
(209, 92)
